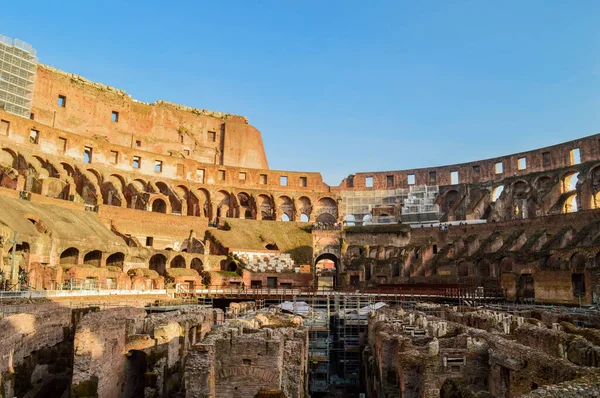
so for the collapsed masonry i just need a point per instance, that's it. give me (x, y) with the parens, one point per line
(436, 351)
(57, 351)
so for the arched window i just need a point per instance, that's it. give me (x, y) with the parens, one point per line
(159, 206)
(93, 258)
(158, 263)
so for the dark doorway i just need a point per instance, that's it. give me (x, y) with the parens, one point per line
(578, 284)
(526, 287)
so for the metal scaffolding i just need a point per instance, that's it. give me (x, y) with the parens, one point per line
(18, 63)
(417, 203)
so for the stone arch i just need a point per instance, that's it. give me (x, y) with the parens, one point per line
(520, 189)
(174, 200)
(204, 203)
(178, 262)
(286, 207)
(70, 170)
(569, 181)
(327, 210)
(483, 268)
(8, 157)
(136, 194)
(496, 192)
(159, 206)
(93, 258)
(323, 257)
(304, 207)
(449, 201)
(543, 184)
(225, 204)
(9, 173)
(116, 260)
(69, 256)
(197, 264)
(158, 263)
(578, 262)
(113, 190)
(189, 201)
(265, 204)
(246, 205)
(96, 174)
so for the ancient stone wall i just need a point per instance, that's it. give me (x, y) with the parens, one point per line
(269, 351)
(419, 355)
(161, 127)
(35, 349)
(122, 352)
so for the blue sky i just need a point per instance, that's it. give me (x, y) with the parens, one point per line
(345, 86)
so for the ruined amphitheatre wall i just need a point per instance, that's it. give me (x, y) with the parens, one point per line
(161, 127)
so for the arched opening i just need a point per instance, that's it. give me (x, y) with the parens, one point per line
(497, 192)
(248, 214)
(158, 263)
(93, 258)
(225, 206)
(483, 268)
(116, 260)
(304, 218)
(69, 256)
(159, 206)
(304, 206)
(526, 287)
(577, 262)
(232, 266)
(196, 264)
(327, 209)
(569, 182)
(286, 207)
(326, 261)
(570, 205)
(178, 262)
(265, 207)
(174, 200)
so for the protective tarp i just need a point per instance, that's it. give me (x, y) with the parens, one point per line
(296, 307)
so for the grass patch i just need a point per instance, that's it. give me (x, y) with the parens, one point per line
(290, 237)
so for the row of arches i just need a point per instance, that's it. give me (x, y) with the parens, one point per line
(572, 190)
(63, 180)
(158, 262)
